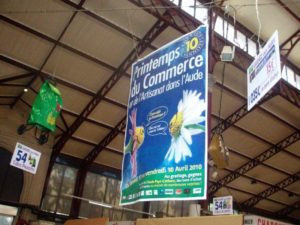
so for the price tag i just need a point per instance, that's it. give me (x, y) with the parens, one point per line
(25, 158)
(222, 206)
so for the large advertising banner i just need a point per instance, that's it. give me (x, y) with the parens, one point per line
(165, 150)
(264, 72)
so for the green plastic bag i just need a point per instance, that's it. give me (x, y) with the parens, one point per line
(46, 108)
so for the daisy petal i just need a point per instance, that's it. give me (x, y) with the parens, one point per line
(171, 151)
(186, 135)
(184, 148)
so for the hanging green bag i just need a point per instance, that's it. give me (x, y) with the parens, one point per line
(46, 108)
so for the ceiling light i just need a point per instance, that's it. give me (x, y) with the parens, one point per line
(227, 53)
(25, 90)
(214, 175)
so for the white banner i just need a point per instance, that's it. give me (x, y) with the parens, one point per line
(25, 158)
(223, 205)
(258, 220)
(264, 72)
(121, 223)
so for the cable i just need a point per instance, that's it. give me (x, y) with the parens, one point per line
(259, 23)
(221, 99)
(134, 44)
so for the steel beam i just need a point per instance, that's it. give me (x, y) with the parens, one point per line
(157, 29)
(149, 37)
(94, 145)
(39, 74)
(275, 91)
(45, 75)
(17, 77)
(95, 122)
(287, 46)
(242, 60)
(76, 162)
(30, 106)
(289, 10)
(239, 114)
(60, 44)
(290, 93)
(106, 22)
(12, 85)
(254, 195)
(183, 22)
(271, 190)
(64, 121)
(179, 25)
(8, 96)
(286, 211)
(260, 182)
(273, 150)
(263, 140)
(251, 35)
(103, 143)
(290, 40)
(256, 211)
(221, 3)
(49, 54)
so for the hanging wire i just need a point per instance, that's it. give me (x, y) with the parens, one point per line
(225, 34)
(57, 60)
(259, 23)
(228, 8)
(134, 43)
(221, 99)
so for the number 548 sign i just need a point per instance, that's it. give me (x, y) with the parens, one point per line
(222, 205)
(25, 158)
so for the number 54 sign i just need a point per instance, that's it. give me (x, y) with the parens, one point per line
(25, 158)
(222, 205)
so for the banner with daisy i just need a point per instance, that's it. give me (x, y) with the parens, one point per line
(165, 149)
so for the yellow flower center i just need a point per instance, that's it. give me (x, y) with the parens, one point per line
(175, 124)
(139, 133)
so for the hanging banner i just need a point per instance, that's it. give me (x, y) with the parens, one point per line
(165, 148)
(259, 220)
(121, 223)
(223, 205)
(25, 158)
(264, 72)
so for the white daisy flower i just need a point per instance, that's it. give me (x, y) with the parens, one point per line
(184, 124)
